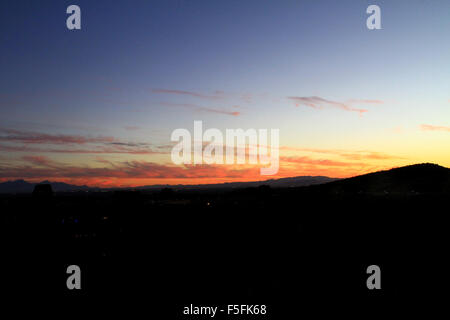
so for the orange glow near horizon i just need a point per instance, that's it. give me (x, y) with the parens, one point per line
(141, 173)
(108, 162)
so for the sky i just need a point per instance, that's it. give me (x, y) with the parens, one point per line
(97, 106)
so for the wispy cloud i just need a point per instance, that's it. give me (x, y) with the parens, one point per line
(141, 172)
(114, 149)
(201, 108)
(321, 103)
(43, 168)
(321, 162)
(216, 95)
(429, 127)
(11, 135)
(138, 172)
(365, 101)
(346, 154)
(26, 141)
(128, 144)
(39, 160)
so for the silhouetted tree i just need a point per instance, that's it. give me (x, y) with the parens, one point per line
(43, 191)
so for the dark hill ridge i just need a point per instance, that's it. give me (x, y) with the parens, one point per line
(22, 186)
(274, 183)
(418, 178)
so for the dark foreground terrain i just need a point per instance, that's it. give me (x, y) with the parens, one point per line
(292, 249)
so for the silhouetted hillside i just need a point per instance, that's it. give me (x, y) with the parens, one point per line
(22, 186)
(413, 179)
(275, 183)
(276, 246)
(17, 186)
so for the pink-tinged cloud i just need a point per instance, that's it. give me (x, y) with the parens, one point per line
(320, 162)
(135, 173)
(365, 101)
(41, 168)
(321, 103)
(429, 127)
(369, 155)
(11, 135)
(200, 108)
(217, 95)
(231, 113)
(92, 150)
(22, 141)
(346, 154)
(39, 160)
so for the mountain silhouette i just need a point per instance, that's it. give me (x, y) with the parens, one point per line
(298, 181)
(22, 186)
(249, 241)
(413, 179)
(43, 190)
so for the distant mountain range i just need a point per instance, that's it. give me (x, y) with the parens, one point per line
(299, 181)
(419, 178)
(22, 186)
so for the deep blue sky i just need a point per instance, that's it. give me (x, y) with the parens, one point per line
(243, 57)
